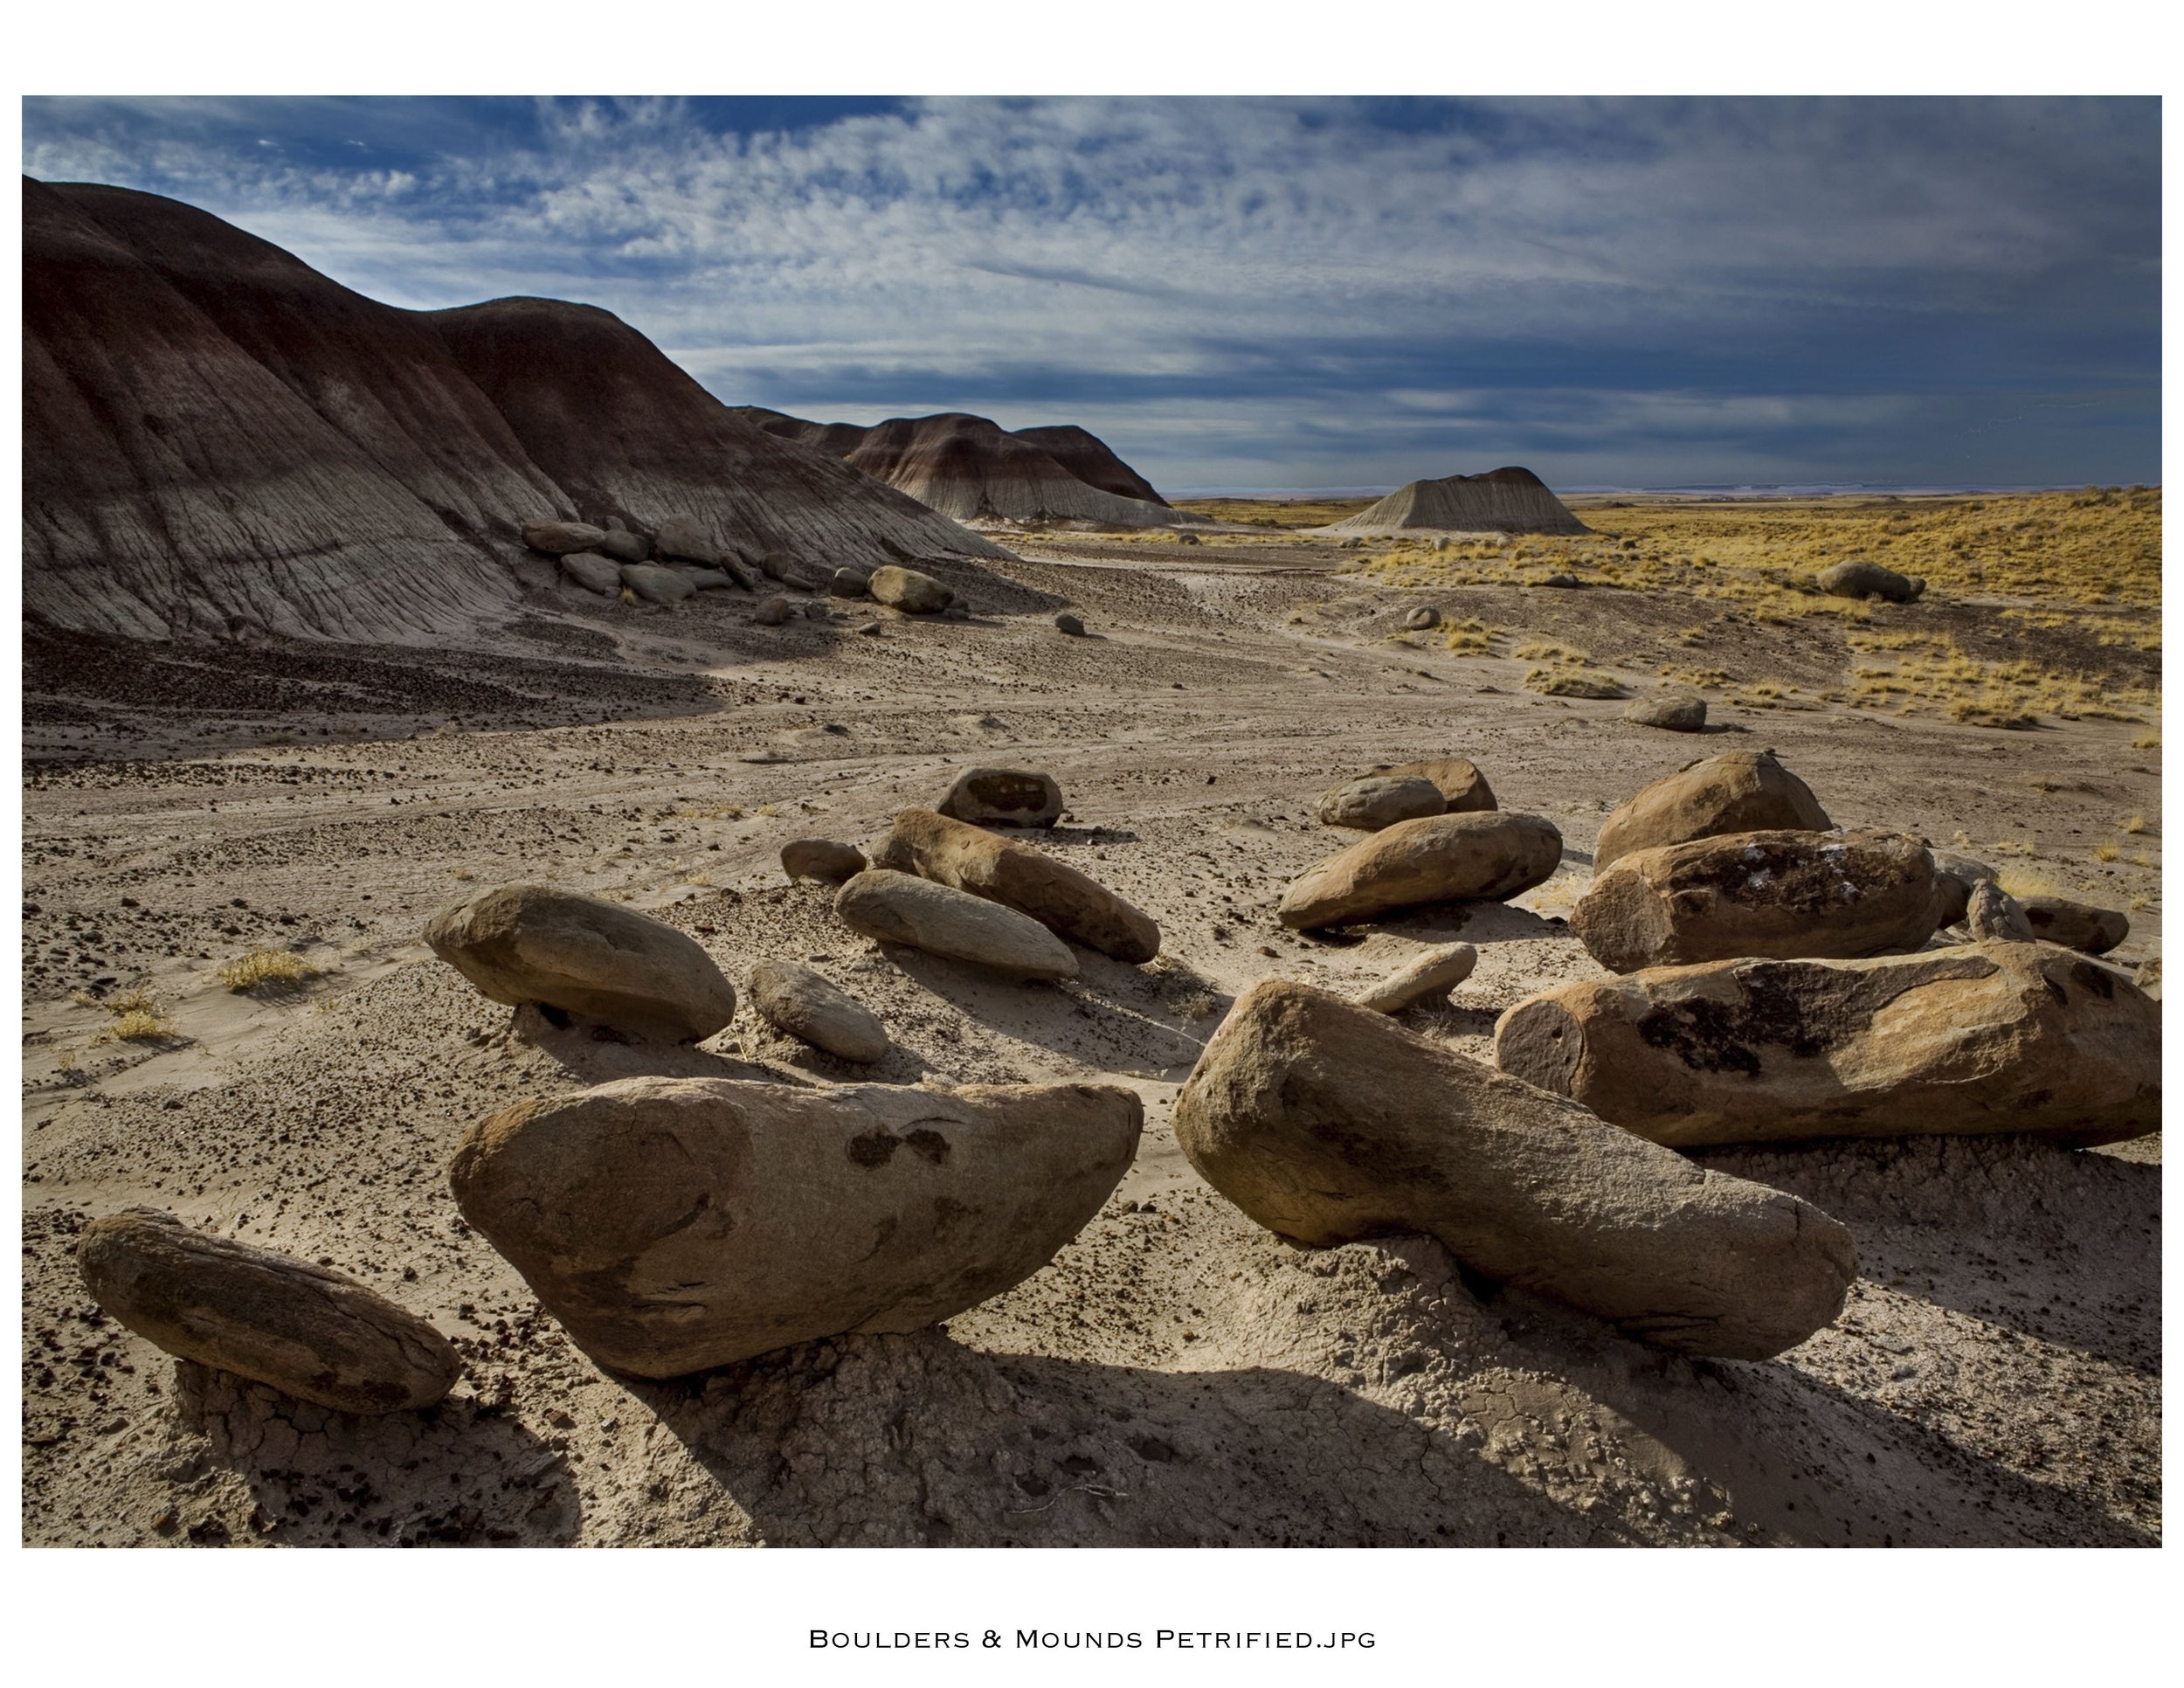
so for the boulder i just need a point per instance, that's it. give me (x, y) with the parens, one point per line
(1422, 618)
(1569, 583)
(1327, 1123)
(868, 630)
(706, 580)
(301, 1329)
(2074, 925)
(1380, 800)
(1072, 625)
(806, 1005)
(777, 566)
(1980, 1038)
(560, 538)
(673, 1225)
(1992, 914)
(1464, 788)
(900, 907)
(584, 957)
(1060, 898)
(848, 583)
(1736, 791)
(1443, 858)
(1955, 877)
(592, 571)
(1864, 579)
(911, 591)
(771, 612)
(687, 538)
(1759, 894)
(1428, 977)
(1676, 712)
(626, 547)
(821, 858)
(1003, 797)
(655, 584)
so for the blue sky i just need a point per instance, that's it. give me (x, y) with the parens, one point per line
(1280, 293)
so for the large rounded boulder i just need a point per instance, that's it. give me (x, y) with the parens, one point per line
(1327, 1123)
(1486, 857)
(911, 591)
(675, 1225)
(1377, 801)
(1464, 788)
(1860, 578)
(306, 1332)
(2074, 925)
(1963, 1041)
(1736, 791)
(687, 539)
(586, 957)
(1002, 797)
(1760, 894)
(810, 1007)
(893, 906)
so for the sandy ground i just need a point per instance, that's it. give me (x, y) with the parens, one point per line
(1176, 1376)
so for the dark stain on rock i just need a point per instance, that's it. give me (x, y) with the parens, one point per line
(2095, 979)
(1717, 1037)
(874, 1148)
(931, 1144)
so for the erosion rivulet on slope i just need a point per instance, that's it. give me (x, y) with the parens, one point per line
(220, 441)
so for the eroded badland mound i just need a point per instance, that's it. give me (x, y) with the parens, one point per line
(220, 440)
(1501, 500)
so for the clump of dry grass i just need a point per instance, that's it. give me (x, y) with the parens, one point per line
(2132, 824)
(1932, 670)
(138, 1026)
(2106, 852)
(1471, 636)
(2145, 742)
(2028, 881)
(262, 967)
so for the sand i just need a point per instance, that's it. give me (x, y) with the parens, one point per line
(1176, 1376)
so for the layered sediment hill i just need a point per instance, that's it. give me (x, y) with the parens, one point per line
(220, 441)
(1501, 500)
(1085, 456)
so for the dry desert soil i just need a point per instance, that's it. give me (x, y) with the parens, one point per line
(1176, 1376)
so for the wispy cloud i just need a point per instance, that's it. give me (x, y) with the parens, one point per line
(1316, 291)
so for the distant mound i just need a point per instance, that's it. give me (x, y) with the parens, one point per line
(1501, 500)
(974, 470)
(218, 440)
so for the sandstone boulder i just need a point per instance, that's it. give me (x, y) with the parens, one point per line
(301, 1329)
(1073, 626)
(1380, 800)
(1759, 894)
(1736, 791)
(821, 858)
(809, 1005)
(706, 580)
(1327, 1123)
(1676, 712)
(1003, 797)
(674, 1225)
(656, 584)
(1991, 915)
(1422, 618)
(901, 908)
(1977, 1039)
(911, 591)
(1862, 579)
(626, 547)
(1479, 857)
(1428, 977)
(687, 538)
(584, 957)
(1464, 788)
(849, 583)
(2074, 925)
(968, 858)
(1955, 878)
(771, 612)
(560, 538)
(593, 572)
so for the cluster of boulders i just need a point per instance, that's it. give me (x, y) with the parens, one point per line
(681, 557)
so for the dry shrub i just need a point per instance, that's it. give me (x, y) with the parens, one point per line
(263, 967)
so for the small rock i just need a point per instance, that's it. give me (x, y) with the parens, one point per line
(806, 1005)
(626, 547)
(1676, 712)
(1484, 857)
(910, 591)
(848, 583)
(1003, 797)
(901, 908)
(1561, 581)
(593, 572)
(306, 1332)
(868, 630)
(821, 858)
(1380, 800)
(1993, 915)
(706, 580)
(771, 612)
(2076, 925)
(560, 538)
(1423, 617)
(686, 537)
(1430, 977)
(655, 584)
(1070, 624)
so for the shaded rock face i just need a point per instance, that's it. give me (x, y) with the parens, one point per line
(674, 1225)
(560, 538)
(792, 998)
(1328, 1123)
(655, 584)
(911, 591)
(2074, 925)
(687, 540)
(1965, 1042)
(303, 1330)
(1990, 913)
(1427, 979)
(1003, 797)
(1759, 894)
(593, 572)
(626, 547)
(584, 957)
(1488, 858)
(1423, 619)
(1064, 901)
(771, 612)
(821, 858)
(1464, 788)
(848, 583)
(1501, 500)
(1862, 579)
(901, 908)
(218, 440)
(1673, 712)
(1738, 791)
(1380, 801)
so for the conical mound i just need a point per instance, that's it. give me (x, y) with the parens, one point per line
(217, 439)
(1501, 500)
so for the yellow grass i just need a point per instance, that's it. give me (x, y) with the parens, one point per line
(2134, 824)
(247, 972)
(2106, 852)
(137, 1026)
(2146, 741)
(2027, 882)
